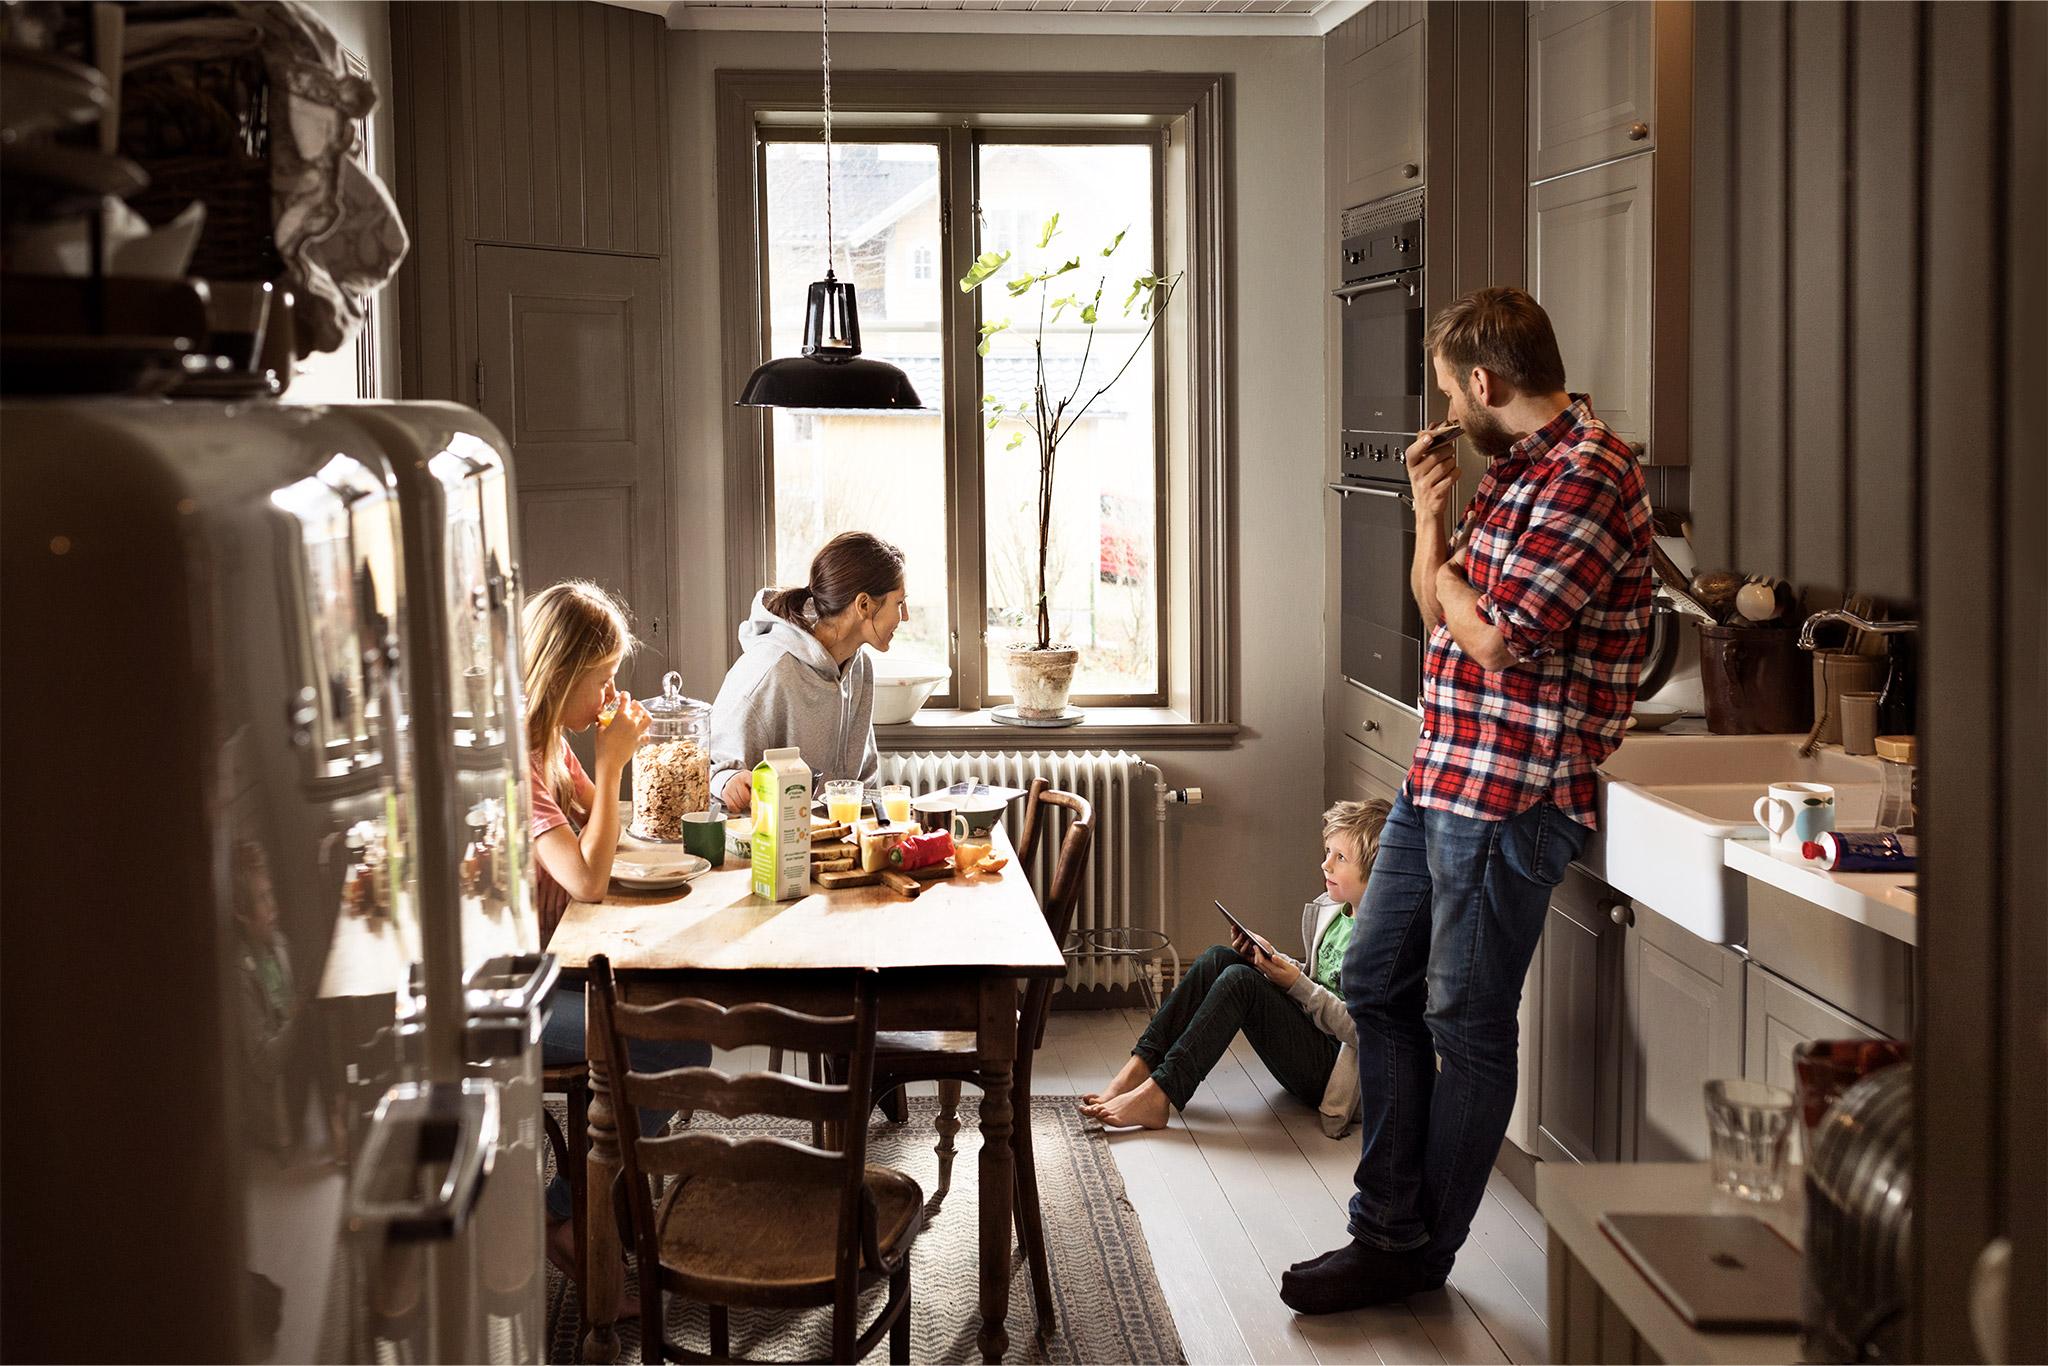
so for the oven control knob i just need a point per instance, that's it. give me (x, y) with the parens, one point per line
(1352, 258)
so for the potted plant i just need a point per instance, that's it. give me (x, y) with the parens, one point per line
(1042, 670)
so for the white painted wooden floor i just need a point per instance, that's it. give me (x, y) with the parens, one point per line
(1244, 1183)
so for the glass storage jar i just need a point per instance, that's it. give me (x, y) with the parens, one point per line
(672, 766)
(1898, 806)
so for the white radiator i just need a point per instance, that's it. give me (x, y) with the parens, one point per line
(1125, 887)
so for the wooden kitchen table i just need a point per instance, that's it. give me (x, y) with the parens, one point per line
(953, 958)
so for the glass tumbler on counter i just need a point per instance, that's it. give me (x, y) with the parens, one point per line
(1749, 1127)
(843, 799)
(672, 766)
(895, 799)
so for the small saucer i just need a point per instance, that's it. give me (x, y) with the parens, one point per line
(1008, 715)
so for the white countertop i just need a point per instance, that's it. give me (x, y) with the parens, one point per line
(1572, 1200)
(1888, 902)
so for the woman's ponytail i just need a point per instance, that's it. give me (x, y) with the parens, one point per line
(789, 603)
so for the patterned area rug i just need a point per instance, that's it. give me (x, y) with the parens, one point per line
(1108, 1297)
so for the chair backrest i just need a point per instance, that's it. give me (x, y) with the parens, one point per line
(1064, 891)
(1027, 838)
(760, 1157)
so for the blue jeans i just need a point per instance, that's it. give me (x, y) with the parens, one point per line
(561, 1045)
(1219, 995)
(1449, 923)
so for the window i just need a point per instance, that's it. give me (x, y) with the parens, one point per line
(1136, 571)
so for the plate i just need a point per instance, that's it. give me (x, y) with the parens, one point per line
(1008, 715)
(650, 870)
(1654, 715)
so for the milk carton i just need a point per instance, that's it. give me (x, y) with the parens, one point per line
(782, 826)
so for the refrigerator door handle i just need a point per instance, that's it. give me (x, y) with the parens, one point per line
(424, 1164)
(511, 986)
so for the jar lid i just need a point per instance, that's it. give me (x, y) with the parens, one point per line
(672, 705)
(1898, 748)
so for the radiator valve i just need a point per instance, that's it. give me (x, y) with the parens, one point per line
(1186, 796)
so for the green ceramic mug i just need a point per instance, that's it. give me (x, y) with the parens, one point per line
(704, 836)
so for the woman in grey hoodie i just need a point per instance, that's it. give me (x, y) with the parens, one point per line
(801, 678)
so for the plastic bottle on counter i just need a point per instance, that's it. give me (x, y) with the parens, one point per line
(1873, 852)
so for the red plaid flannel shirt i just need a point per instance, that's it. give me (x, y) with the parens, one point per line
(1559, 553)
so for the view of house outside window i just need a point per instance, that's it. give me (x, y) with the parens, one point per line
(863, 471)
(886, 473)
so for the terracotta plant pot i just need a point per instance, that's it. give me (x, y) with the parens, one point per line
(1041, 679)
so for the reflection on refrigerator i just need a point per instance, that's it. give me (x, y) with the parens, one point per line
(268, 910)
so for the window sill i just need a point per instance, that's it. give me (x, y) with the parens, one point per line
(1143, 728)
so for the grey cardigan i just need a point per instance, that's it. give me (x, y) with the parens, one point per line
(1328, 1012)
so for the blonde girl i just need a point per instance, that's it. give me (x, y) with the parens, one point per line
(575, 637)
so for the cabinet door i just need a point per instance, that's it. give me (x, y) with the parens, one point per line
(1682, 1001)
(1577, 1111)
(1589, 84)
(1780, 1018)
(1382, 111)
(1589, 266)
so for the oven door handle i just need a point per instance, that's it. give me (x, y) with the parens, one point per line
(1350, 292)
(1348, 489)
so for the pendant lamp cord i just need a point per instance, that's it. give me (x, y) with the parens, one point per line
(825, 16)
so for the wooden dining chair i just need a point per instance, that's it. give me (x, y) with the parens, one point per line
(745, 1222)
(948, 1056)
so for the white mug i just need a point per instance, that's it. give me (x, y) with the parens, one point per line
(1795, 813)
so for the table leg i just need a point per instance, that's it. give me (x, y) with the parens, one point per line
(601, 1264)
(998, 1048)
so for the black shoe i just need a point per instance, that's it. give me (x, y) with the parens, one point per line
(1353, 1277)
(1314, 1261)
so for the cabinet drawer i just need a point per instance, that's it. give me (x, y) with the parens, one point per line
(1362, 774)
(1387, 728)
(1856, 969)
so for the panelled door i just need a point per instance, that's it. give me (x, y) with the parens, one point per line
(570, 348)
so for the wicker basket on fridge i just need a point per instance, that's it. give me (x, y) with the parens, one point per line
(200, 126)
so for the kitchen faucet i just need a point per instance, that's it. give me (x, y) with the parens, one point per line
(1882, 628)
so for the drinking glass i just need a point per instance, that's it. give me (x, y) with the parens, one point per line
(1748, 1127)
(896, 802)
(842, 800)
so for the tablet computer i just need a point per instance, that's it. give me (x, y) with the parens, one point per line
(1241, 926)
(1720, 1272)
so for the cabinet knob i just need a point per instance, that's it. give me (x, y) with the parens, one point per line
(1621, 913)
(1638, 131)
(1409, 170)
(1371, 726)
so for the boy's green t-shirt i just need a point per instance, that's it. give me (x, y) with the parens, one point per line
(1330, 953)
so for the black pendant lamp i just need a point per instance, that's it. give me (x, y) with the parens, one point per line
(831, 372)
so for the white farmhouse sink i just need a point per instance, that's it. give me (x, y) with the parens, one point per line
(1669, 801)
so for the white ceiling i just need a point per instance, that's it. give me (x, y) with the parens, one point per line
(1214, 18)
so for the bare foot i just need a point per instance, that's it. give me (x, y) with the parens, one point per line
(1133, 1071)
(1145, 1107)
(561, 1245)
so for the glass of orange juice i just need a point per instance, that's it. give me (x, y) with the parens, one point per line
(896, 802)
(843, 798)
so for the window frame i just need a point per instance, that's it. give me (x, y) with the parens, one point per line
(1185, 114)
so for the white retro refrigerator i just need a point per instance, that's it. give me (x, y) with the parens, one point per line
(269, 974)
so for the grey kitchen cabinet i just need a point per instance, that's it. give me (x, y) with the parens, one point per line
(1361, 774)
(1590, 84)
(1682, 1026)
(1578, 1025)
(1782, 1016)
(1380, 109)
(1590, 237)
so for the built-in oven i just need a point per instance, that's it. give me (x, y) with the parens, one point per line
(1380, 629)
(1384, 371)
(1382, 363)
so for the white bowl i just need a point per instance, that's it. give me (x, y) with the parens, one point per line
(1655, 715)
(898, 696)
